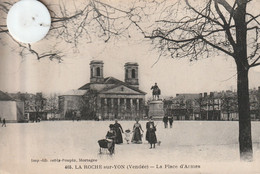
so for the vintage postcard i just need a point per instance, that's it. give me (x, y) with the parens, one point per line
(136, 86)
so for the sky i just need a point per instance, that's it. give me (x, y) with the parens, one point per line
(172, 75)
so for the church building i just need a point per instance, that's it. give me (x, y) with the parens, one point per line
(110, 98)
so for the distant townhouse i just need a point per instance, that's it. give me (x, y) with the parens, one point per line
(213, 106)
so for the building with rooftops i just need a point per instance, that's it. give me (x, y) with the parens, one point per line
(107, 97)
(10, 109)
(70, 104)
(34, 105)
(215, 106)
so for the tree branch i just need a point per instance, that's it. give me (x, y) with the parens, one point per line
(254, 63)
(225, 26)
(217, 47)
(199, 13)
(226, 5)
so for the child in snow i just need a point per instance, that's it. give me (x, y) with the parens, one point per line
(127, 135)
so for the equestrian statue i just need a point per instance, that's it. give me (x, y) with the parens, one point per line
(156, 92)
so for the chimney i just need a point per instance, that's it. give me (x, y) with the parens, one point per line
(205, 94)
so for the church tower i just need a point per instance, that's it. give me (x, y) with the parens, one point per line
(131, 74)
(96, 71)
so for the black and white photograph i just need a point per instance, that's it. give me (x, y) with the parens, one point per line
(129, 86)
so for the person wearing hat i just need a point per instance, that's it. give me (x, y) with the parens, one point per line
(4, 124)
(165, 121)
(119, 131)
(137, 135)
(111, 135)
(150, 133)
(171, 121)
(127, 135)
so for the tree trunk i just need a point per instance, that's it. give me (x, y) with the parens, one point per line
(240, 55)
(245, 140)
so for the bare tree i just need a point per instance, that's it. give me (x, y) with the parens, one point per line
(52, 104)
(39, 106)
(199, 104)
(88, 105)
(216, 26)
(229, 103)
(77, 22)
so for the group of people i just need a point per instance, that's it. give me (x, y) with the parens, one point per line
(138, 133)
(114, 135)
(167, 119)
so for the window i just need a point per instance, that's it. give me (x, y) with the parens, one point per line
(133, 73)
(98, 71)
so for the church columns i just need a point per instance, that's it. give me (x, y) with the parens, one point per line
(105, 108)
(111, 114)
(120, 107)
(125, 107)
(131, 108)
(98, 109)
(137, 107)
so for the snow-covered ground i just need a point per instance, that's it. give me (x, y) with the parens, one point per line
(211, 146)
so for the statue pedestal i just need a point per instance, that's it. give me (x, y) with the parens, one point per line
(156, 109)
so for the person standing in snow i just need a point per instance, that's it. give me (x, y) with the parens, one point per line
(110, 137)
(119, 131)
(170, 121)
(4, 124)
(150, 134)
(127, 135)
(165, 121)
(137, 135)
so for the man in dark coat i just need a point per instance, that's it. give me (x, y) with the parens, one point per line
(165, 120)
(4, 124)
(119, 130)
(170, 121)
(150, 133)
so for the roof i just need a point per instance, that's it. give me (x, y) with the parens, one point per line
(74, 92)
(114, 82)
(21, 96)
(96, 62)
(131, 64)
(187, 96)
(5, 97)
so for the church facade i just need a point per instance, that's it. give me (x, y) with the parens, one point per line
(110, 98)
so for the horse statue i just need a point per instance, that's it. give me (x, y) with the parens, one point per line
(156, 92)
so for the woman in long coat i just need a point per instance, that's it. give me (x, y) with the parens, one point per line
(110, 137)
(150, 134)
(137, 136)
(119, 130)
